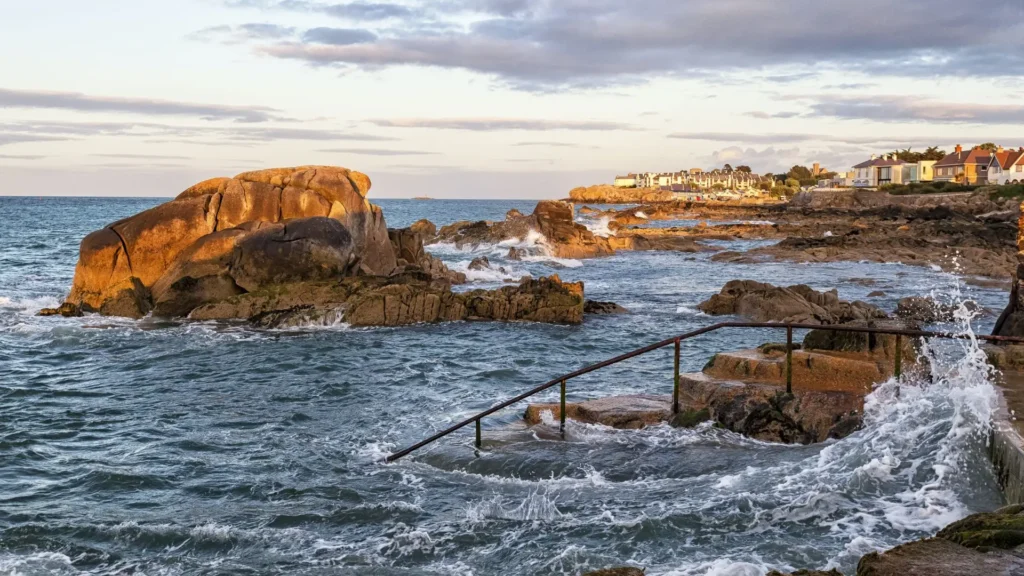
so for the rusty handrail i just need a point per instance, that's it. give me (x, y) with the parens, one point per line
(560, 380)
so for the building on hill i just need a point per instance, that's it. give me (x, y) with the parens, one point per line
(696, 179)
(628, 181)
(964, 167)
(1006, 167)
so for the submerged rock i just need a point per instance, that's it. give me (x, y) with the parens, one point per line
(799, 304)
(594, 307)
(927, 310)
(616, 572)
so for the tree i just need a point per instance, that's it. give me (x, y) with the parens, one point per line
(799, 173)
(744, 169)
(727, 168)
(792, 182)
(991, 147)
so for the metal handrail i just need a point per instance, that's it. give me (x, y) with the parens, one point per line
(561, 380)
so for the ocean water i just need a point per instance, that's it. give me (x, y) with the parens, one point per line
(155, 447)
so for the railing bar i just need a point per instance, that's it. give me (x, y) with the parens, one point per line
(691, 334)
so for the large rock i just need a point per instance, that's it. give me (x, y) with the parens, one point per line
(251, 257)
(119, 265)
(798, 304)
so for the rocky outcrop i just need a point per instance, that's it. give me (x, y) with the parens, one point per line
(562, 236)
(608, 194)
(120, 265)
(986, 543)
(594, 307)
(927, 310)
(798, 304)
(403, 299)
(408, 246)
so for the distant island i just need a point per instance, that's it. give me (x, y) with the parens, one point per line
(422, 198)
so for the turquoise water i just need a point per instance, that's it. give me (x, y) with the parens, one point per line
(201, 448)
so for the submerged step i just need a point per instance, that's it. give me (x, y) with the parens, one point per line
(759, 410)
(812, 369)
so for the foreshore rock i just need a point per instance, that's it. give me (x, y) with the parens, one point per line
(563, 237)
(222, 223)
(798, 304)
(404, 299)
(608, 194)
(288, 247)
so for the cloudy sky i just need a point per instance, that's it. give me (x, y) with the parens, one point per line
(490, 98)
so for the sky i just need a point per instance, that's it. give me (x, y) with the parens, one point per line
(490, 98)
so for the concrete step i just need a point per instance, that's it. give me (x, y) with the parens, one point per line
(812, 369)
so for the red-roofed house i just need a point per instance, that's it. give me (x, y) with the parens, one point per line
(965, 167)
(1006, 167)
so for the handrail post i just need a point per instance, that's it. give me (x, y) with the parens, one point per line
(899, 357)
(789, 359)
(561, 412)
(675, 387)
(479, 441)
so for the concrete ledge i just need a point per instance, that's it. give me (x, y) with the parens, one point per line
(1006, 450)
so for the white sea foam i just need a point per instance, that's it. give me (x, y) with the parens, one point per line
(640, 214)
(689, 311)
(600, 227)
(535, 506)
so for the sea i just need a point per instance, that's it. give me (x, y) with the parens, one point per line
(177, 447)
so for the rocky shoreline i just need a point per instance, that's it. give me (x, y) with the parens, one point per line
(970, 234)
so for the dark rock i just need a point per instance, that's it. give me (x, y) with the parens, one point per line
(67, 309)
(690, 418)
(594, 307)
(927, 310)
(796, 304)
(516, 253)
(939, 557)
(1002, 529)
(424, 227)
(876, 294)
(480, 263)
(513, 213)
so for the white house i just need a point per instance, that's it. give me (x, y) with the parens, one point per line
(1006, 167)
(890, 170)
(626, 181)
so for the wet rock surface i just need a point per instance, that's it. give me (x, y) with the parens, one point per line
(408, 298)
(800, 304)
(594, 307)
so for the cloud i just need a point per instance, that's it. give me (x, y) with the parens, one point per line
(788, 138)
(142, 156)
(378, 152)
(494, 124)
(7, 138)
(553, 144)
(356, 11)
(914, 109)
(769, 115)
(213, 135)
(21, 157)
(537, 44)
(84, 103)
(338, 36)
(242, 33)
(762, 161)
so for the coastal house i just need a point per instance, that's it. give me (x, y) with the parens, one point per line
(696, 179)
(1006, 167)
(887, 169)
(878, 172)
(964, 167)
(626, 181)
